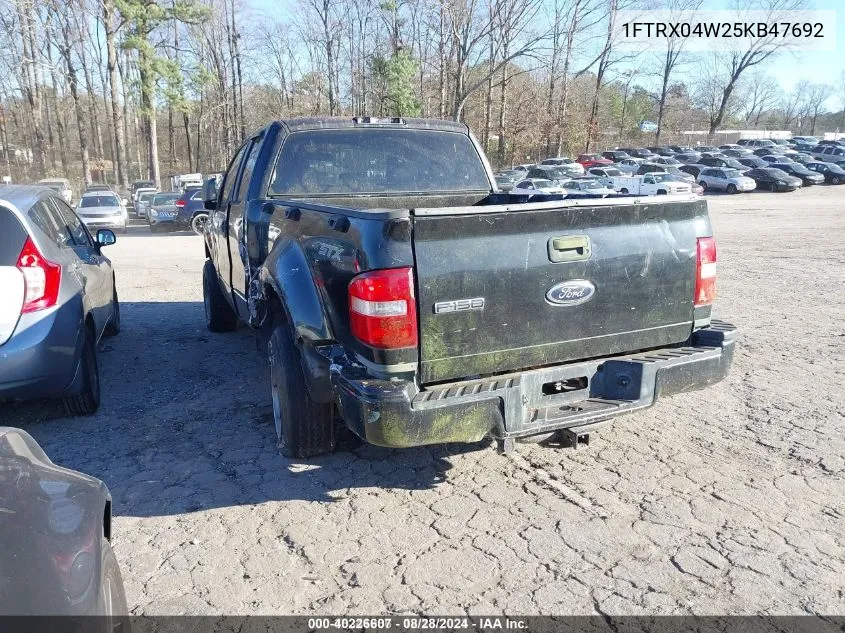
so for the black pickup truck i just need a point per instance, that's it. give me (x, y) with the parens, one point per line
(395, 289)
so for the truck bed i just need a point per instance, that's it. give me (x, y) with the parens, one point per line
(640, 260)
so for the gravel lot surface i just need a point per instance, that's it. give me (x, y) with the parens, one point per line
(729, 500)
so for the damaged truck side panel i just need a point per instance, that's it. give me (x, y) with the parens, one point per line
(409, 299)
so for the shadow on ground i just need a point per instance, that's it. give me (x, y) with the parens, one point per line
(186, 425)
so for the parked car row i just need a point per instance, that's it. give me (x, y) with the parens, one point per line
(748, 165)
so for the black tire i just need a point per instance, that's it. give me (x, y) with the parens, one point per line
(661, 192)
(304, 428)
(731, 189)
(703, 185)
(112, 602)
(219, 315)
(198, 223)
(623, 190)
(835, 180)
(113, 327)
(88, 400)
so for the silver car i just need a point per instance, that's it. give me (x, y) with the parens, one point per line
(56, 531)
(58, 300)
(725, 179)
(102, 210)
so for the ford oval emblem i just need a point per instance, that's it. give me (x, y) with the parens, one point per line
(571, 293)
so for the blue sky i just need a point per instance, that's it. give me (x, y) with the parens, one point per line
(787, 68)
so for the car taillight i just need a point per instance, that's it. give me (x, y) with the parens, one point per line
(180, 203)
(382, 308)
(705, 272)
(42, 279)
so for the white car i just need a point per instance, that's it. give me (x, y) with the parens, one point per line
(725, 179)
(61, 186)
(628, 165)
(531, 186)
(137, 195)
(591, 186)
(605, 174)
(565, 163)
(102, 210)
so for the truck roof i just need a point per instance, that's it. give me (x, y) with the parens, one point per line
(331, 123)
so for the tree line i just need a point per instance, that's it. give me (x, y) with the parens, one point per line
(117, 90)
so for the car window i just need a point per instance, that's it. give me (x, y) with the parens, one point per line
(232, 173)
(49, 221)
(248, 167)
(165, 198)
(99, 201)
(72, 224)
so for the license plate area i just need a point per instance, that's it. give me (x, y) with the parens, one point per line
(565, 385)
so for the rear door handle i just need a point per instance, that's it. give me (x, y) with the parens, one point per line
(569, 248)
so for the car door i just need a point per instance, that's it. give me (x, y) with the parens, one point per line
(219, 219)
(236, 221)
(94, 268)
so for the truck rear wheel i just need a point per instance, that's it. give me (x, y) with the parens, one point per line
(219, 315)
(304, 428)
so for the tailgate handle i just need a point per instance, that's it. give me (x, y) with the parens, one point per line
(569, 248)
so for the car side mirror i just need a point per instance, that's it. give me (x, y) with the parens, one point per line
(209, 194)
(106, 237)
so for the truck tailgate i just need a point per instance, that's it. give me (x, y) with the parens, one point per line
(491, 299)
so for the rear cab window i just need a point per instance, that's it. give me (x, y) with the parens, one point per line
(377, 161)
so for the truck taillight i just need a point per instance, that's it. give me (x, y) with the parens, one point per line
(705, 272)
(42, 279)
(180, 204)
(382, 308)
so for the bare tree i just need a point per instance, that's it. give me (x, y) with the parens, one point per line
(841, 93)
(671, 57)
(814, 96)
(748, 54)
(758, 94)
(67, 26)
(605, 59)
(470, 26)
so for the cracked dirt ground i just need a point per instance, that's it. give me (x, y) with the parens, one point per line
(729, 500)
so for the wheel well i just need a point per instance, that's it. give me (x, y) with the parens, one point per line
(275, 307)
(275, 315)
(107, 521)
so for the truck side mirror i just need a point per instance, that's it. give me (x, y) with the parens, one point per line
(209, 194)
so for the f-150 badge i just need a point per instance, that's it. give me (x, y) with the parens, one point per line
(459, 305)
(571, 293)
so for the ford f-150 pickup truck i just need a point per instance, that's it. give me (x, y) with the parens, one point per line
(394, 290)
